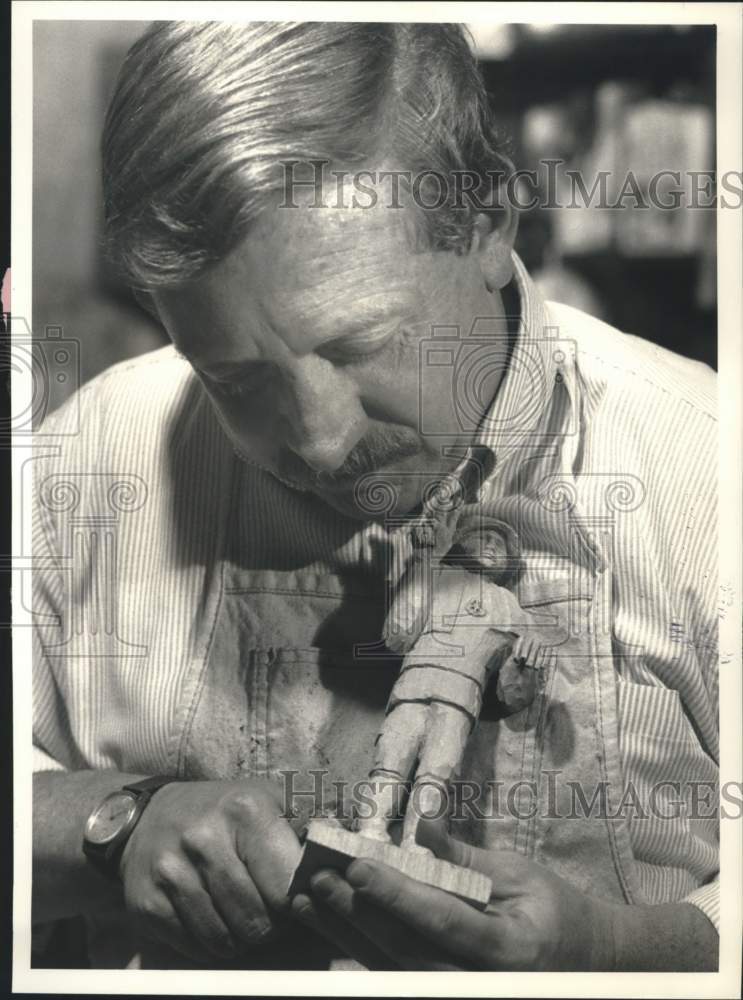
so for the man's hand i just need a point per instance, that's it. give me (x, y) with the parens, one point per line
(207, 867)
(535, 921)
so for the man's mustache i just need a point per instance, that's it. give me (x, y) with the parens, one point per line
(378, 448)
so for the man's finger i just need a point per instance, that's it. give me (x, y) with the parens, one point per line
(433, 834)
(195, 911)
(347, 938)
(409, 945)
(159, 922)
(239, 904)
(270, 850)
(437, 916)
(505, 869)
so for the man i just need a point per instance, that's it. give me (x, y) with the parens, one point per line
(216, 538)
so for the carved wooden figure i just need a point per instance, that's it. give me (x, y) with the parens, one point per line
(455, 619)
(475, 624)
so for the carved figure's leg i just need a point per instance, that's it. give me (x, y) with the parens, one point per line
(443, 746)
(397, 749)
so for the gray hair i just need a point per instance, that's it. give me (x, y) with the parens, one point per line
(204, 112)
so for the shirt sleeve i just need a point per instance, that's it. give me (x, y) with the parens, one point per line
(707, 898)
(42, 761)
(53, 748)
(50, 747)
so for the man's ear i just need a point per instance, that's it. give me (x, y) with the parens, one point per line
(493, 239)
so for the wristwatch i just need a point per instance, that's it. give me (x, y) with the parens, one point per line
(111, 823)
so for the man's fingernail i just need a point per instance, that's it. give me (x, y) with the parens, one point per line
(302, 908)
(323, 883)
(359, 874)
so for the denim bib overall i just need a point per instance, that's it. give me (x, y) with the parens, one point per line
(280, 694)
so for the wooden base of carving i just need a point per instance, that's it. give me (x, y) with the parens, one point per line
(329, 846)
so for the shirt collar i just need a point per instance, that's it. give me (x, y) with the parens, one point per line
(541, 363)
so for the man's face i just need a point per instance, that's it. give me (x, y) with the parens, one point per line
(307, 339)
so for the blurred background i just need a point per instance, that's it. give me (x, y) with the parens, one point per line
(600, 97)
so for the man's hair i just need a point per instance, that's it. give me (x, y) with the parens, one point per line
(204, 113)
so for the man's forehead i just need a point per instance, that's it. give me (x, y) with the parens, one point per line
(330, 270)
(315, 238)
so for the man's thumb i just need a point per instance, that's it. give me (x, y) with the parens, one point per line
(433, 833)
(507, 870)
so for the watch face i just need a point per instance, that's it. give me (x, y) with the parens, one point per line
(110, 818)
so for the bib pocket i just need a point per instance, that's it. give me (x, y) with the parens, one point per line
(318, 722)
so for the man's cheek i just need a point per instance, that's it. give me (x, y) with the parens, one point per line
(437, 413)
(251, 432)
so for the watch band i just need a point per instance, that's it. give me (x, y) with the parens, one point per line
(106, 857)
(149, 785)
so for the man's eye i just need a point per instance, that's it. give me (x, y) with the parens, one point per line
(357, 349)
(246, 384)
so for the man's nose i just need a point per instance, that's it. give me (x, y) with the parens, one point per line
(324, 416)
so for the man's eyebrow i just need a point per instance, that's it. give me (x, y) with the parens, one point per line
(218, 368)
(380, 322)
(376, 326)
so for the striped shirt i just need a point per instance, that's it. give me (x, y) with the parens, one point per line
(136, 460)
